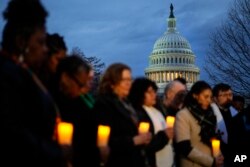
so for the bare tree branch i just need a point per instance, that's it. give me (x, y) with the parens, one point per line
(228, 57)
(97, 65)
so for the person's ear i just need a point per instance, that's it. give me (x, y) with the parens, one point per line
(65, 77)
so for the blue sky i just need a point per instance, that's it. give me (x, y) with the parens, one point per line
(126, 30)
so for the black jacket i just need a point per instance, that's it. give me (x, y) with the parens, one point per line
(27, 120)
(123, 153)
(159, 140)
(75, 111)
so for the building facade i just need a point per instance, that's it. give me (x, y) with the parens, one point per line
(172, 57)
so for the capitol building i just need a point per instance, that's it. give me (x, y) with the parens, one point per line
(171, 58)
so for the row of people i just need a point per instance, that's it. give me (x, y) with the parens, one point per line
(41, 86)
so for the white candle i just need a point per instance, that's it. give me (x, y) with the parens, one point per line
(103, 135)
(143, 127)
(216, 147)
(170, 121)
(65, 133)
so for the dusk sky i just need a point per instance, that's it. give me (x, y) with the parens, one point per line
(126, 30)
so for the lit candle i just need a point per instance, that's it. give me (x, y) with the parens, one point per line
(65, 133)
(143, 127)
(170, 121)
(103, 135)
(216, 147)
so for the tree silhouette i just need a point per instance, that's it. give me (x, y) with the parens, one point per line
(228, 57)
(96, 63)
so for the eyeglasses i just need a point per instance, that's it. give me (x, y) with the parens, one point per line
(126, 80)
(78, 82)
(226, 94)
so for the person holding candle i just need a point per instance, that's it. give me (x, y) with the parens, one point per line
(195, 126)
(71, 77)
(143, 97)
(225, 112)
(27, 112)
(113, 109)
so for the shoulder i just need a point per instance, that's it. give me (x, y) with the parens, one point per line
(183, 113)
(104, 99)
(10, 71)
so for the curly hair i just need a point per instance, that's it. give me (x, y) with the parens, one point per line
(23, 18)
(55, 43)
(139, 87)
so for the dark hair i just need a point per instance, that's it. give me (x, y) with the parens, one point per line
(138, 89)
(196, 89)
(181, 80)
(23, 18)
(72, 65)
(112, 76)
(239, 98)
(179, 99)
(55, 43)
(220, 87)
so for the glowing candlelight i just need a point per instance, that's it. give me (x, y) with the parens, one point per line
(65, 133)
(170, 121)
(216, 147)
(143, 127)
(103, 135)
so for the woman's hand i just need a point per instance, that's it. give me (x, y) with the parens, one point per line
(104, 154)
(143, 138)
(219, 160)
(169, 132)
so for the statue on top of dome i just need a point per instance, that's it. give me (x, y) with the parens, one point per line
(171, 11)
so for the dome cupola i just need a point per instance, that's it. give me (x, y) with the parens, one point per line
(172, 57)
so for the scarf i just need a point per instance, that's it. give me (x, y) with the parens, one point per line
(207, 121)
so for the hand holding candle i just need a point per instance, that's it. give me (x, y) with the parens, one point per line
(170, 121)
(65, 133)
(143, 127)
(216, 147)
(103, 135)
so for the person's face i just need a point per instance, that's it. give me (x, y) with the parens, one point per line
(89, 82)
(150, 97)
(55, 59)
(122, 88)
(36, 50)
(224, 98)
(71, 85)
(170, 95)
(238, 105)
(204, 98)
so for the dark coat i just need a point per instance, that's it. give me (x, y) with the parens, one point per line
(239, 142)
(27, 120)
(123, 153)
(158, 141)
(75, 111)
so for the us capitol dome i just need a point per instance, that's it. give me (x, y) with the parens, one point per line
(171, 58)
